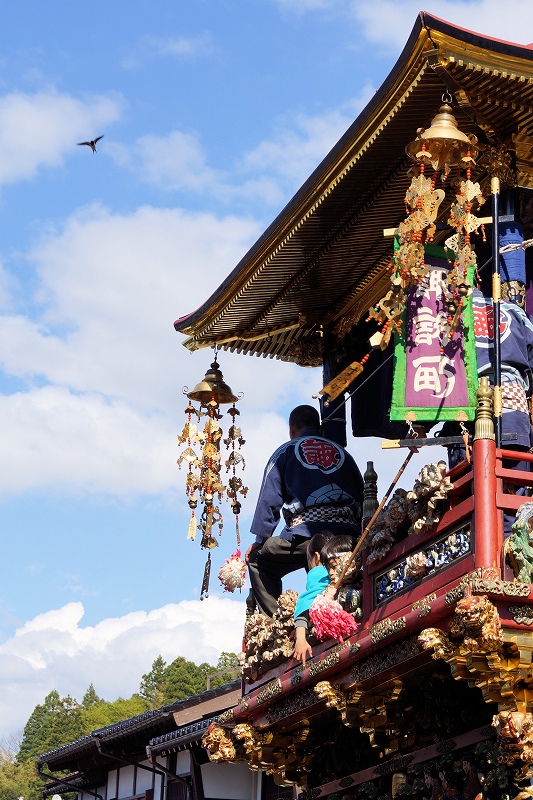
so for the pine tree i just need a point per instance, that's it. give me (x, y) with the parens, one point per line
(151, 687)
(90, 698)
(38, 727)
(228, 665)
(184, 679)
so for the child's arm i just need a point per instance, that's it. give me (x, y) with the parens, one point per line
(302, 648)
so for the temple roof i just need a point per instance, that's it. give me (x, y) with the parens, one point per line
(323, 261)
(141, 728)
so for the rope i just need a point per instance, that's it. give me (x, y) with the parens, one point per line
(508, 248)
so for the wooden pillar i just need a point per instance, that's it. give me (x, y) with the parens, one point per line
(487, 518)
(488, 522)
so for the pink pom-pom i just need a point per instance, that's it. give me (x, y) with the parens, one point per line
(232, 574)
(330, 620)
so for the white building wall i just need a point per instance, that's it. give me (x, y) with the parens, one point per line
(228, 782)
(111, 786)
(144, 778)
(183, 763)
(125, 782)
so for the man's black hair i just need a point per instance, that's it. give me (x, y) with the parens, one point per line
(303, 417)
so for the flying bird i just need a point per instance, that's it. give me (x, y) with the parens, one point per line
(92, 143)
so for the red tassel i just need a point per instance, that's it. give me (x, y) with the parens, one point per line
(330, 620)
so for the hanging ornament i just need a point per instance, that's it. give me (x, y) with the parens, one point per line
(442, 146)
(203, 459)
(232, 574)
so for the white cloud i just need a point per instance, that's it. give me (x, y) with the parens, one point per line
(109, 289)
(178, 45)
(270, 172)
(54, 651)
(172, 162)
(303, 142)
(389, 22)
(386, 21)
(37, 130)
(100, 338)
(83, 444)
(169, 47)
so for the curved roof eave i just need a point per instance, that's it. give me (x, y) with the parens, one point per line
(304, 272)
(304, 192)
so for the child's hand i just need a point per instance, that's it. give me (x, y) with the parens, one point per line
(302, 648)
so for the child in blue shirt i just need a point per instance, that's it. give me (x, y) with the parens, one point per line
(317, 581)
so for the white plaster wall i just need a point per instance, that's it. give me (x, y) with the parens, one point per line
(111, 784)
(228, 782)
(183, 763)
(125, 782)
(144, 778)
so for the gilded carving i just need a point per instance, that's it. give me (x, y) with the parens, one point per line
(385, 628)
(507, 588)
(333, 696)
(515, 737)
(455, 594)
(378, 662)
(425, 601)
(218, 744)
(291, 705)
(316, 667)
(477, 619)
(523, 615)
(254, 743)
(485, 580)
(498, 163)
(516, 589)
(394, 765)
(439, 641)
(226, 716)
(271, 690)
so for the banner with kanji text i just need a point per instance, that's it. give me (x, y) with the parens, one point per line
(435, 376)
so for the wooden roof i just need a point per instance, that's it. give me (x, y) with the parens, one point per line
(322, 262)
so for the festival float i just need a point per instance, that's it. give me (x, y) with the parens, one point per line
(388, 268)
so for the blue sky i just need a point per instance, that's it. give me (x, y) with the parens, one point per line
(213, 113)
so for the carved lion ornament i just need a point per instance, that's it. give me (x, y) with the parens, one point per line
(477, 619)
(518, 548)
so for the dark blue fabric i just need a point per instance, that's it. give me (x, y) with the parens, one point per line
(512, 264)
(304, 473)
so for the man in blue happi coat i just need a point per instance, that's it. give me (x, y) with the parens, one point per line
(315, 484)
(516, 345)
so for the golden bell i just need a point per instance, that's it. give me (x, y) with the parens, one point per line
(212, 387)
(443, 143)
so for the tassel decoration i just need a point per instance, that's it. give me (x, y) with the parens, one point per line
(232, 574)
(330, 620)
